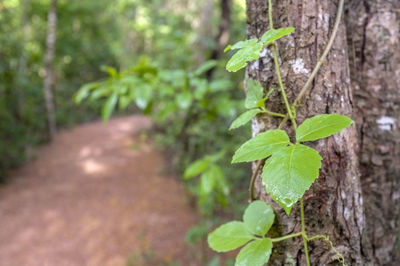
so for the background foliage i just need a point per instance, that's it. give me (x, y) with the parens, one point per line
(130, 56)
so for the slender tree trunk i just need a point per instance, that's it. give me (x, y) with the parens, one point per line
(223, 35)
(374, 49)
(334, 204)
(21, 75)
(204, 31)
(224, 28)
(49, 77)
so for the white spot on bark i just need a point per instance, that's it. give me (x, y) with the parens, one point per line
(298, 66)
(318, 98)
(396, 196)
(263, 52)
(385, 123)
(347, 213)
(326, 17)
(255, 65)
(257, 126)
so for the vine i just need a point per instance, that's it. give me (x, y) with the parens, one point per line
(289, 168)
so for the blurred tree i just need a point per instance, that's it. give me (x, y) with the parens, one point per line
(355, 199)
(223, 35)
(86, 44)
(49, 80)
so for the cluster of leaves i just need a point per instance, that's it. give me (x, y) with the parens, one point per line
(290, 168)
(257, 221)
(249, 50)
(213, 185)
(189, 111)
(255, 102)
(289, 171)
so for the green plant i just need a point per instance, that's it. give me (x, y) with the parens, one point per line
(189, 111)
(290, 168)
(212, 186)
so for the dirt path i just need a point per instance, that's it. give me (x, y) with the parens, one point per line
(95, 196)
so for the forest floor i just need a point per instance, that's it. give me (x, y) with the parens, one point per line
(98, 195)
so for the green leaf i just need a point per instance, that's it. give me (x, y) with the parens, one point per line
(227, 48)
(261, 103)
(258, 218)
(207, 183)
(218, 179)
(109, 106)
(321, 126)
(102, 91)
(244, 118)
(275, 34)
(270, 91)
(254, 93)
(196, 168)
(256, 253)
(110, 70)
(289, 173)
(242, 44)
(84, 91)
(124, 101)
(229, 236)
(249, 51)
(261, 146)
(184, 100)
(205, 67)
(143, 94)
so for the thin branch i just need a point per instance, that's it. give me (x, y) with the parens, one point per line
(259, 165)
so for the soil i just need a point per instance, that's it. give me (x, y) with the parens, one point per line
(96, 195)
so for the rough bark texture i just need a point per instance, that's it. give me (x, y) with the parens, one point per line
(48, 60)
(333, 205)
(374, 49)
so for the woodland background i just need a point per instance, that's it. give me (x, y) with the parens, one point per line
(64, 63)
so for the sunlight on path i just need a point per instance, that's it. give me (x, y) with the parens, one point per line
(95, 196)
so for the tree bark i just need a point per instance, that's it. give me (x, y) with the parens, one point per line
(374, 49)
(334, 204)
(49, 76)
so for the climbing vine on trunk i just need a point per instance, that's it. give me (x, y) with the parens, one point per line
(290, 167)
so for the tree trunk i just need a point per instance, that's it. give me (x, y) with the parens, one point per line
(204, 32)
(49, 77)
(374, 49)
(223, 35)
(21, 80)
(334, 204)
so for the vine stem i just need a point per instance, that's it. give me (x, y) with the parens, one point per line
(324, 54)
(278, 72)
(308, 82)
(253, 179)
(290, 115)
(273, 113)
(303, 231)
(326, 239)
(320, 60)
(278, 239)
